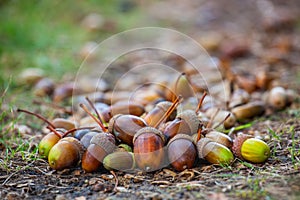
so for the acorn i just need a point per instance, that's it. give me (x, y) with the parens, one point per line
(148, 149)
(47, 142)
(278, 98)
(251, 149)
(186, 122)
(214, 152)
(181, 86)
(220, 138)
(44, 87)
(65, 154)
(100, 146)
(63, 123)
(119, 160)
(124, 127)
(239, 97)
(86, 139)
(122, 107)
(158, 111)
(182, 152)
(249, 110)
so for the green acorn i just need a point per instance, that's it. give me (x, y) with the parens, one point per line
(119, 160)
(214, 152)
(251, 149)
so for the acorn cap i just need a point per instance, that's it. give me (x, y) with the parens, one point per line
(237, 144)
(112, 122)
(103, 140)
(191, 118)
(77, 143)
(149, 130)
(180, 136)
(201, 144)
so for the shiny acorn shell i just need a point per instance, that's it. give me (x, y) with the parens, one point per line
(255, 150)
(214, 152)
(63, 123)
(148, 149)
(182, 152)
(65, 154)
(124, 127)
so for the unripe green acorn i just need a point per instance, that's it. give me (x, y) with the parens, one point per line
(48, 141)
(214, 152)
(251, 149)
(119, 160)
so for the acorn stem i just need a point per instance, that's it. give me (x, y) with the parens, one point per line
(76, 129)
(169, 111)
(54, 131)
(94, 108)
(199, 134)
(92, 116)
(38, 116)
(201, 101)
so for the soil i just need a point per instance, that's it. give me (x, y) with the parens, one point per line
(258, 41)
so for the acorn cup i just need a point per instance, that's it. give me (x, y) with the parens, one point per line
(100, 146)
(65, 154)
(214, 152)
(149, 149)
(119, 160)
(182, 152)
(250, 149)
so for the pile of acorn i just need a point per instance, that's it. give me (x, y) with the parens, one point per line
(130, 138)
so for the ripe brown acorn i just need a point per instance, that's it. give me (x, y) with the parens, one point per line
(123, 107)
(124, 127)
(182, 152)
(186, 122)
(101, 145)
(157, 113)
(65, 154)
(249, 110)
(214, 152)
(148, 149)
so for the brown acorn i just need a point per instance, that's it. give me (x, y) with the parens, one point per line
(251, 149)
(65, 154)
(148, 149)
(123, 107)
(220, 138)
(124, 127)
(181, 86)
(186, 122)
(249, 110)
(119, 160)
(214, 152)
(44, 87)
(182, 152)
(157, 113)
(63, 123)
(101, 145)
